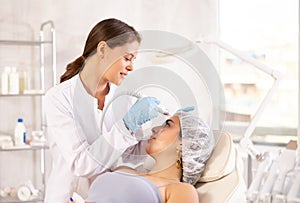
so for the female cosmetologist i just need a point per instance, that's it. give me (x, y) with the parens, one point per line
(74, 108)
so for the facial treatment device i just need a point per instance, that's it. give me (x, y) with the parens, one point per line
(161, 109)
(261, 171)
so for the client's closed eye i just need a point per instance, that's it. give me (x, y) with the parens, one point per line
(168, 123)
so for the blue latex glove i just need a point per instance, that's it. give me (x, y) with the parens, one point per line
(142, 111)
(186, 109)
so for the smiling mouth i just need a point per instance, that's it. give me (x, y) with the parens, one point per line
(122, 76)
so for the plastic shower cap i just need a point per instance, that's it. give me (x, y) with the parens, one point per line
(197, 145)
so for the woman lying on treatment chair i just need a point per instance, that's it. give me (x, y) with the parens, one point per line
(180, 147)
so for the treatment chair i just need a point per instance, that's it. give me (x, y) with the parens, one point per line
(222, 179)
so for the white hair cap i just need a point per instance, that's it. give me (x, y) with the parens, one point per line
(197, 145)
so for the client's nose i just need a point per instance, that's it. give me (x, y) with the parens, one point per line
(155, 130)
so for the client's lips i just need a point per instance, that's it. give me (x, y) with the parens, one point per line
(153, 136)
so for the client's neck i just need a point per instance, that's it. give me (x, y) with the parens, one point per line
(171, 173)
(165, 162)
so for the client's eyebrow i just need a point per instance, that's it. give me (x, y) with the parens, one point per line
(169, 120)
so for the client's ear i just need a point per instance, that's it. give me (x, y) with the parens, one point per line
(179, 148)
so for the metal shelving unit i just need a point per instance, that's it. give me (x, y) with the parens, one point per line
(40, 93)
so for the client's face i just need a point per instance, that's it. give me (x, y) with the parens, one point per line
(164, 135)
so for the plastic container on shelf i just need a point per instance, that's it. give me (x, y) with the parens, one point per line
(13, 81)
(20, 133)
(23, 81)
(23, 77)
(4, 80)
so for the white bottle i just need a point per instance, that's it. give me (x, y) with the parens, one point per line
(20, 133)
(13, 79)
(4, 80)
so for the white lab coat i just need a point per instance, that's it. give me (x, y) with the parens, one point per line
(78, 152)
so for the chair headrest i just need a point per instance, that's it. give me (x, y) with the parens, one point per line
(222, 160)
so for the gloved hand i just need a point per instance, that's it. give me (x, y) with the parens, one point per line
(142, 111)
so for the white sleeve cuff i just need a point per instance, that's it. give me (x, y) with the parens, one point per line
(120, 137)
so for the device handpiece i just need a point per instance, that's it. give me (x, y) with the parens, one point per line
(163, 110)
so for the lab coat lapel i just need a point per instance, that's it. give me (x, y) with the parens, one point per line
(84, 113)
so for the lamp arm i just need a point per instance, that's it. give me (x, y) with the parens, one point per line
(260, 110)
(272, 72)
(277, 76)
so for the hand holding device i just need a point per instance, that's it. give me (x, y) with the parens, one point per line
(142, 111)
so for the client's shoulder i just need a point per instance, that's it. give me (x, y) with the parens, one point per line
(182, 186)
(182, 191)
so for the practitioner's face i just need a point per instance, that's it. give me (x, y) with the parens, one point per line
(163, 136)
(122, 62)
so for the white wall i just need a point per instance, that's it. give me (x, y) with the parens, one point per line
(73, 20)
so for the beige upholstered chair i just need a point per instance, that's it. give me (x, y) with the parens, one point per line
(222, 179)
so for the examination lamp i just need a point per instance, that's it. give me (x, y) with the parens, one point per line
(245, 142)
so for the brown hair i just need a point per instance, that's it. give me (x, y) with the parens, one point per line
(108, 30)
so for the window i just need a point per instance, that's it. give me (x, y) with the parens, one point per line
(267, 31)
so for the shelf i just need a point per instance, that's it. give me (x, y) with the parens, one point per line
(25, 147)
(16, 200)
(42, 44)
(29, 93)
(24, 43)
